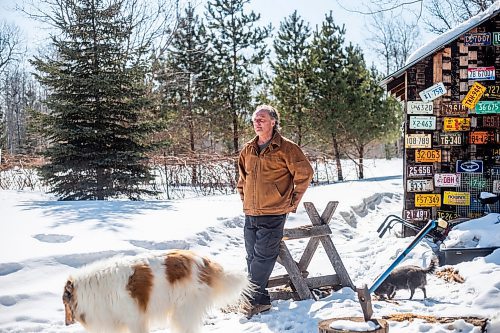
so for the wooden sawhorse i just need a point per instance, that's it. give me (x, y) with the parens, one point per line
(297, 278)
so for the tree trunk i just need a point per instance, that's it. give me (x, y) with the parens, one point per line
(360, 159)
(336, 153)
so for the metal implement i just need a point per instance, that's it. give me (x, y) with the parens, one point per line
(364, 294)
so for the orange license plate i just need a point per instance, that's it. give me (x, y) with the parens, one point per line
(427, 155)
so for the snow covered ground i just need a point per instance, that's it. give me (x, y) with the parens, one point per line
(43, 240)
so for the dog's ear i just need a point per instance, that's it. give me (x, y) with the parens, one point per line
(68, 302)
(68, 291)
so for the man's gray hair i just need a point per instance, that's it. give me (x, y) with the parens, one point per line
(271, 111)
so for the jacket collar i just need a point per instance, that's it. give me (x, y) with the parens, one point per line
(275, 141)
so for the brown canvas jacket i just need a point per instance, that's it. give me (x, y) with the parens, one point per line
(274, 181)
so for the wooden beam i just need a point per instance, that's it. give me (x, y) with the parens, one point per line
(306, 232)
(294, 273)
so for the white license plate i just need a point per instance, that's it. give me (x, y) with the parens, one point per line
(417, 214)
(419, 185)
(418, 107)
(418, 141)
(450, 139)
(421, 170)
(496, 186)
(481, 73)
(447, 180)
(432, 92)
(423, 122)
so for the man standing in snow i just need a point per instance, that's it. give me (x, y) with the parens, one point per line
(274, 174)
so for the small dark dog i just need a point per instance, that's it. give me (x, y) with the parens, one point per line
(406, 277)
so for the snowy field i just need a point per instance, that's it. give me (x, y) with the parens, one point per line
(42, 241)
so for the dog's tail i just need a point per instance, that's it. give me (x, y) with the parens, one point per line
(432, 266)
(231, 289)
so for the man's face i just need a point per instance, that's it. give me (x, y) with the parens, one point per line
(263, 123)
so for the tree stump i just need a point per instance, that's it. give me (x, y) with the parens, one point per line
(324, 326)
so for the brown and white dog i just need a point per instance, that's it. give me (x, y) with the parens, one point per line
(135, 293)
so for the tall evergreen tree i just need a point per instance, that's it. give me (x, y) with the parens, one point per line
(184, 82)
(238, 46)
(371, 115)
(99, 122)
(291, 69)
(327, 85)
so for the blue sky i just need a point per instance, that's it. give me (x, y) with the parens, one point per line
(272, 11)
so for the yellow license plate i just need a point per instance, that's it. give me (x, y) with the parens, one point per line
(456, 124)
(456, 198)
(427, 155)
(476, 91)
(427, 200)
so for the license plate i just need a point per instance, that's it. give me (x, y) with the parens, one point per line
(481, 73)
(491, 121)
(418, 141)
(496, 186)
(477, 39)
(447, 180)
(427, 155)
(472, 166)
(492, 92)
(447, 215)
(423, 122)
(487, 107)
(419, 185)
(456, 124)
(494, 171)
(451, 139)
(453, 109)
(456, 198)
(475, 92)
(417, 214)
(423, 170)
(432, 92)
(481, 137)
(427, 200)
(418, 107)
(477, 184)
(496, 38)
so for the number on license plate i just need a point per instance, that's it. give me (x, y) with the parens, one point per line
(418, 141)
(433, 92)
(450, 139)
(427, 200)
(427, 155)
(419, 185)
(417, 214)
(447, 180)
(423, 170)
(423, 122)
(418, 107)
(447, 215)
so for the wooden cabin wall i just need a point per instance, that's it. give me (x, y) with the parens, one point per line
(449, 65)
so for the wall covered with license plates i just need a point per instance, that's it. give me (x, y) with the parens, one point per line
(452, 128)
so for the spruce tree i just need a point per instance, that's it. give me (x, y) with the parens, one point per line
(291, 69)
(238, 47)
(371, 116)
(99, 121)
(327, 85)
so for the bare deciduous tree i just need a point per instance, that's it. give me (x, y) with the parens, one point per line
(10, 44)
(446, 14)
(393, 39)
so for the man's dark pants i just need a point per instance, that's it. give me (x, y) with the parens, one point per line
(262, 242)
